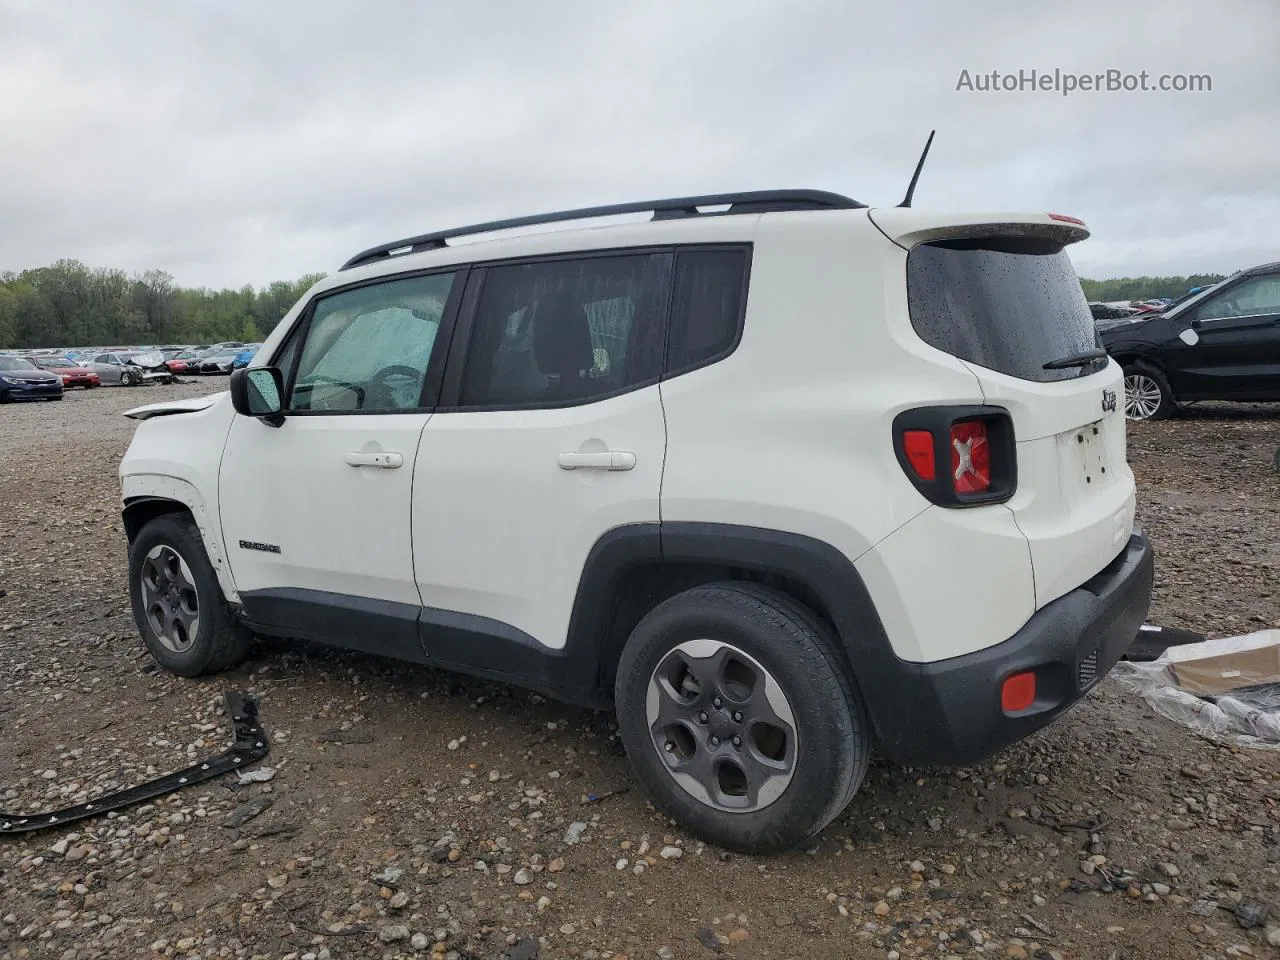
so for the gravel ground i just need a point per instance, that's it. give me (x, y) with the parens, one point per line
(417, 814)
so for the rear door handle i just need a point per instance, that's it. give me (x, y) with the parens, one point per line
(603, 460)
(387, 461)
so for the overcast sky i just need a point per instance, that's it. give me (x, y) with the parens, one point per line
(243, 142)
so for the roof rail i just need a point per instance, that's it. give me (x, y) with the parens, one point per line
(757, 201)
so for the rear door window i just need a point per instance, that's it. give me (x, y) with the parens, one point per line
(1008, 305)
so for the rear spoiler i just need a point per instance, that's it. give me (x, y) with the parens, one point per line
(907, 227)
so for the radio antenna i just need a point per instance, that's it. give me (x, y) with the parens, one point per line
(911, 188)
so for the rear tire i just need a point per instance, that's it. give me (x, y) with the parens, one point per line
(186, 624)
(739, 717)
(1147, 395)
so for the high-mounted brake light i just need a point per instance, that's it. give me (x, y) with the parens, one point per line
(1065, 219)
(970, 457)
(918, 447)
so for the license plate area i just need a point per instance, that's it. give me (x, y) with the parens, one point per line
(1087, 467)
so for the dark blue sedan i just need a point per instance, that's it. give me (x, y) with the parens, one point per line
(22, 380)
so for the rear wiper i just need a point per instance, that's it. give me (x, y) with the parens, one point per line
(1077, 359)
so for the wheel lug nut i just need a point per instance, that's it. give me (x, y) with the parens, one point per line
(668, 746)
(737, 741)
(702, 718)
(737, 716)
(715, 741)
(716, 703)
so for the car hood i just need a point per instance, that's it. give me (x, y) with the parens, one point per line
(170, 407)
(30, 376)
(1126, 324)
(72, 372)
(148, 360)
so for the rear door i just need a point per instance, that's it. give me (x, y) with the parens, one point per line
(1005, 299)
(1235, 344)
(549, 434)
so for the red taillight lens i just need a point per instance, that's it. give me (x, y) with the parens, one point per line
(970, 457)
(918, 447)
(1018, 692)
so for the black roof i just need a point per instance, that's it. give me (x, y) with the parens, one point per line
(758, 201)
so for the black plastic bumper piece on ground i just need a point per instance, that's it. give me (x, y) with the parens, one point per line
(250, 745)
(949, 713)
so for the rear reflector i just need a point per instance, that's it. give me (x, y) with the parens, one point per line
(918, 446)
(1018, 692)
(970, 457)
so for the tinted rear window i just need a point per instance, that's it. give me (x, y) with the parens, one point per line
(1007, 305)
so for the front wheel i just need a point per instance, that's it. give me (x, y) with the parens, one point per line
(185, 622)
(128, 378)
(738, 716)
(1147, 395)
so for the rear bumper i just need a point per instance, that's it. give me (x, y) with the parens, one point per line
(950, 711)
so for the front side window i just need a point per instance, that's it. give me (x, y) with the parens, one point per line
(567, 331)
(367, 349)
(1257, 296)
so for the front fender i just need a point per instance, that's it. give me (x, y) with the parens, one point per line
(146, 488)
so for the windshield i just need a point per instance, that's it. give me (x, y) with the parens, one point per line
(1010, 305)
(16, 363)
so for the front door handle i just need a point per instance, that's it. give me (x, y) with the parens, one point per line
(601, 460)
(387, 461)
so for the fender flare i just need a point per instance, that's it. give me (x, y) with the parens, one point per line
(143, 493)
(819, 567)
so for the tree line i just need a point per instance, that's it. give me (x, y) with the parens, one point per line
(1145, 288)
(71, 305)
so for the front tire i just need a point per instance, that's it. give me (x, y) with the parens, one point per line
(1147, 395)
(185, 622)
(739, 717)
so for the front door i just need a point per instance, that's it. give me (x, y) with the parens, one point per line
(1232, 351)
(316, 511)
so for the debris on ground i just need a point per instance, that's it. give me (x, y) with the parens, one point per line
(1226, 689)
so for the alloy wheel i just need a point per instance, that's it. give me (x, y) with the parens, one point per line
(170, 598)
(1142, 396)
(722, 726)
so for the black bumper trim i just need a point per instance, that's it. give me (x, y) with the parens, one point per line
(950, 710)
(250, 745)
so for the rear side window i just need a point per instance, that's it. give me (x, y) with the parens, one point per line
(567, 331)
(706, 310)
(1008, 305)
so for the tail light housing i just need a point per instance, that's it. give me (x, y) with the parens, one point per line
(958, 456)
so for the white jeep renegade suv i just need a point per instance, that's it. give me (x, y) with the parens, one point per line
(779, 478)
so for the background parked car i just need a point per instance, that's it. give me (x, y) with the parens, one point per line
(1222, 343)
(131, 369)
(218, 362)
(20, 379)
(245, 356)
(72, 373)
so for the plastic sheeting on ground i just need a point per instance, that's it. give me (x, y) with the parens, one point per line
(1226, 689)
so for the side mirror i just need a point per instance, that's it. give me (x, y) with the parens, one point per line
(258, 392)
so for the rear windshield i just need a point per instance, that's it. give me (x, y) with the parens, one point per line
(1008, 305)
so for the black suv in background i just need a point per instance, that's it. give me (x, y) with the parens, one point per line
(1221, 344)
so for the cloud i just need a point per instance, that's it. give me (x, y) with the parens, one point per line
(236, 142)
